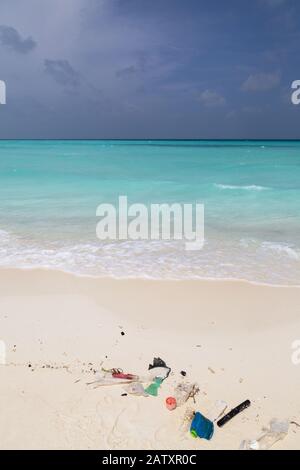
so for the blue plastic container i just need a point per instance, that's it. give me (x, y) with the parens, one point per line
(202, 427)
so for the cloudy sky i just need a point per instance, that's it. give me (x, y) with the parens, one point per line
(149, 69)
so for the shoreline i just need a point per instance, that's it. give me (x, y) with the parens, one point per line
(145, 278)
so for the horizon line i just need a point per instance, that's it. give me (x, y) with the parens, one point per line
(149, 139)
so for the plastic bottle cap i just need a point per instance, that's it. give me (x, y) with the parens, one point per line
(171, 403)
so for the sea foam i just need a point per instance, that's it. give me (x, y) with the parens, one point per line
(251, 187)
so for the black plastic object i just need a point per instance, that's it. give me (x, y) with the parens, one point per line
(235, 411)
(157, 362)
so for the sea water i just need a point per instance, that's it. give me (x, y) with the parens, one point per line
(50, 190)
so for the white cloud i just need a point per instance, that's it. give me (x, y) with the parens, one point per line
(261, 82)
(211, 99)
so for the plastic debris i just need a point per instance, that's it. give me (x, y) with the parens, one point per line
(249, 445)
(184, 391)
(120, 375)
(136, 389)
(157, 362)
(202, 427)
(187, 419)
(171, 403)
(152, 389)
(217, 410)
(161, 372)
(235, 411)
(276, 432)
(108, 380)
(113, 377)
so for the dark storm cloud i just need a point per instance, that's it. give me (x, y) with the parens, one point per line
(62, 72)
(274, 3)
(126, 72)
(140, 69)
(11, 38)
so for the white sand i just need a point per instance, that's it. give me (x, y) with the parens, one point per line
(233, 338)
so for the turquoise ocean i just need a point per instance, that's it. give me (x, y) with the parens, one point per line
(49, 192)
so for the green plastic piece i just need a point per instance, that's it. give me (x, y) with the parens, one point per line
(153, 388)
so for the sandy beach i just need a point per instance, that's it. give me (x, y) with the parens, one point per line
(232, 338)
(149, 228)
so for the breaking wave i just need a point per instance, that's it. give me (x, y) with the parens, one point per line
(252, 187)
(263, 262)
